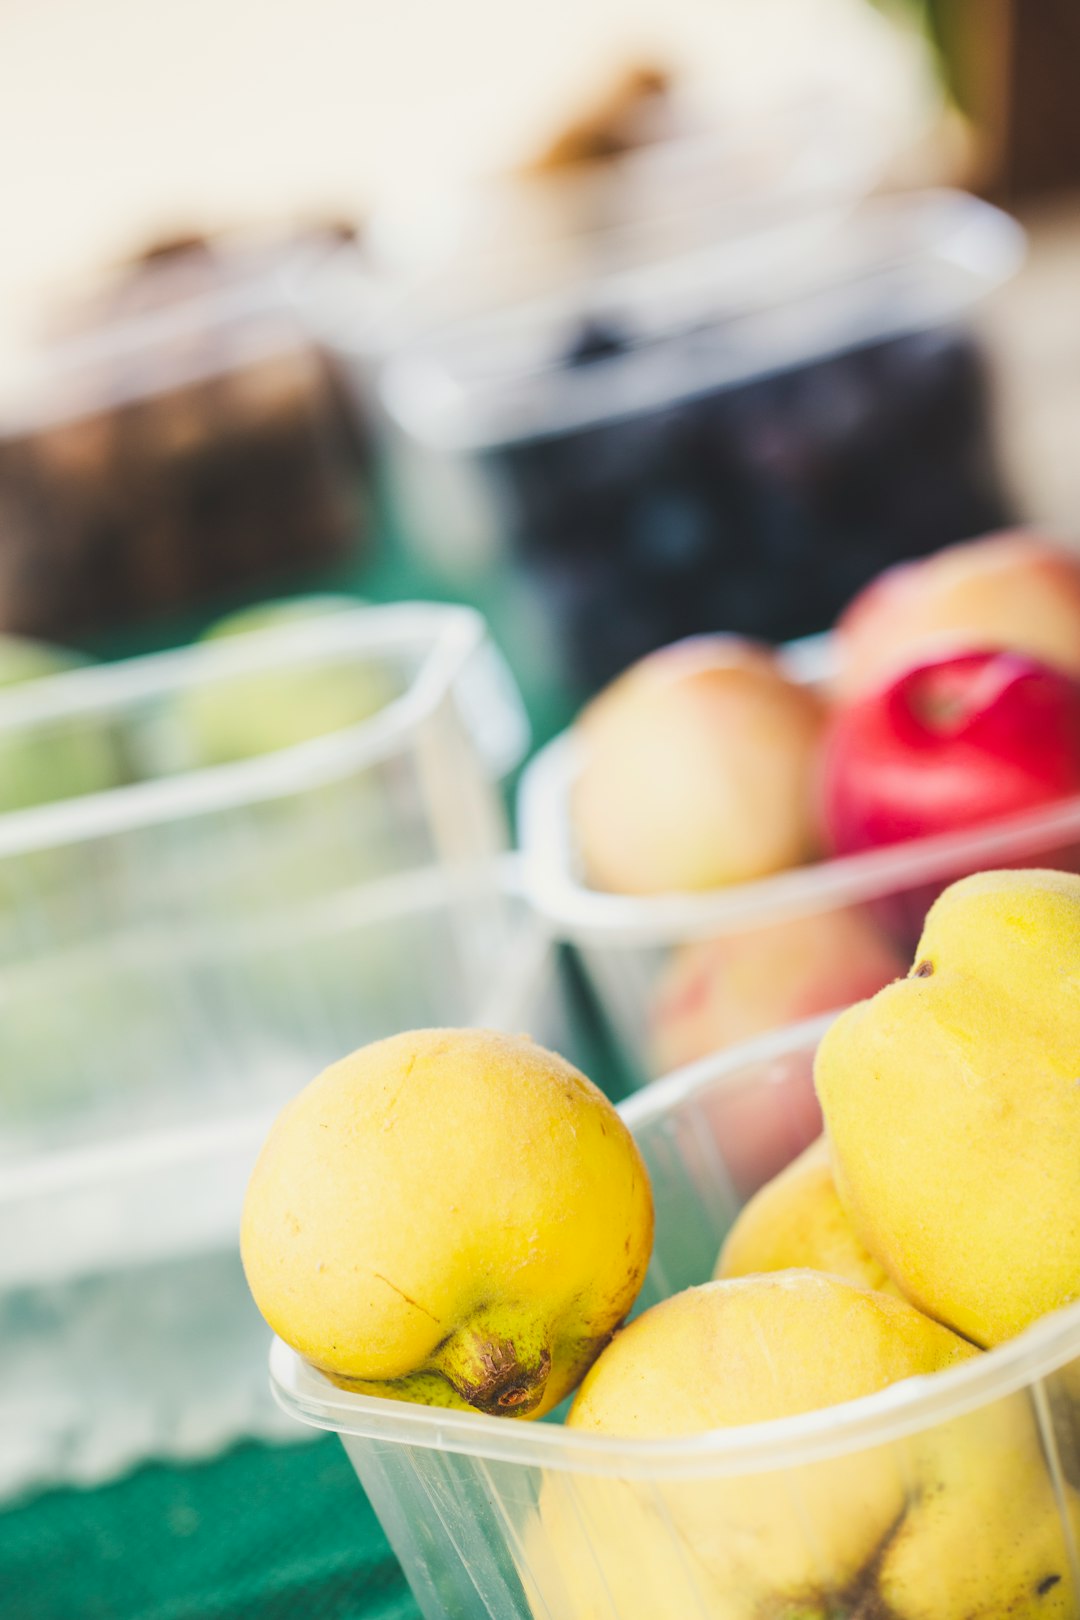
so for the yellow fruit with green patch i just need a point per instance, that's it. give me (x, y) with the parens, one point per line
(457, 1217)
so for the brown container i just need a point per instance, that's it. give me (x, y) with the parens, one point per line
(177, 441)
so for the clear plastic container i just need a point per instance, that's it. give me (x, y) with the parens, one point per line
(184, 942)
(171, 441)
(126, 1327)
(181, 950)
(681, 975)
(946, 1496)
(159, 941)
(734, 434)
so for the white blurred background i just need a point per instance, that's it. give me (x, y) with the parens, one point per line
(122, 120)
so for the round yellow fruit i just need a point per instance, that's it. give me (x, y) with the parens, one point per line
(783, 1541)
(797, 1221)
(457, 1217)
(953, 1107)
(749, 1349)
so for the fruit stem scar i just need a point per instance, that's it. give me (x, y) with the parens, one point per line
(504, 1385)
(415, 1303)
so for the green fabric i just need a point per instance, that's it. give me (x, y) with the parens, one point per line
(262, 1533)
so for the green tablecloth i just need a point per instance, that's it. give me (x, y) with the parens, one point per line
(262, 1533)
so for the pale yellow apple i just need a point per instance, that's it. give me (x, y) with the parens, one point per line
(1014, 590)
(697, 770)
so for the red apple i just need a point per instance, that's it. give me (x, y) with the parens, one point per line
(949, 744)
(946, 745)
(1014, 590)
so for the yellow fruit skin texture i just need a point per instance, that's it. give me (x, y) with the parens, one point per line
(457, 1217)
(728, 1353)
(986, 1534)
(796, 1222)
(952, 1104)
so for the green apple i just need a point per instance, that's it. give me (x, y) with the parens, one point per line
(59, 759)
(243, 716)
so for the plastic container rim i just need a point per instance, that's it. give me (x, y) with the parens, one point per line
(353, 296)
(448, 414)
(584, 916)
(447, 634)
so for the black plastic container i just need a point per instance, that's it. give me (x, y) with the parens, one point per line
(735, 439)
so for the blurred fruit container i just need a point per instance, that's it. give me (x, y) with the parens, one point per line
(179, 955)
(127, 1327)
(172, 440)
(496, 1520)
(140, 923)
(734, 436)
(682, 975)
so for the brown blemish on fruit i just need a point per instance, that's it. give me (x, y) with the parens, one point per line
(861, 1599)
(923, 969)
(415, 1303)
(1046, 1583)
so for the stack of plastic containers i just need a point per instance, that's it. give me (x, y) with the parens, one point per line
(182, 952)
(738, 432)
(732, 433)
(495, 1520)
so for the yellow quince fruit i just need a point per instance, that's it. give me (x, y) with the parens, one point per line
(456, 1217)
(797, 1222)
(733, 1546)
(952, 1103)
